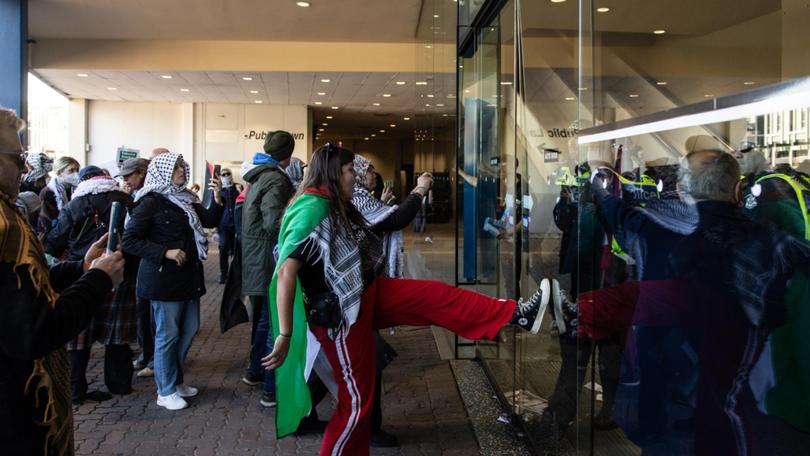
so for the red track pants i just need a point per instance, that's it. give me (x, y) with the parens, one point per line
(386, 303)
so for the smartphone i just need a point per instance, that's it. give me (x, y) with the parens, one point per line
(116, 211)
(217, 169)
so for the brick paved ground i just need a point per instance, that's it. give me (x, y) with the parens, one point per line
(422, 405)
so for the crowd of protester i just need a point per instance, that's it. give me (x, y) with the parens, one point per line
(696, 314)
(321, 247)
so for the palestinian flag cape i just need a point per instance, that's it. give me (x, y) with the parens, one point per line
(293, 402)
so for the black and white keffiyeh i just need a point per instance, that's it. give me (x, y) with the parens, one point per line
(96, 185)
(39, 163)
(60, 193)
(375, 212)
(159, 180)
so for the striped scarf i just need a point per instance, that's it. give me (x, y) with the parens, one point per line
(49, 376)
(159, 180)
(374, 211)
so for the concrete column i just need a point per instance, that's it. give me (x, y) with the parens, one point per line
(13, 61)
(78, 145)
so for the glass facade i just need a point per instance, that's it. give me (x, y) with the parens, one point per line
(552, 93)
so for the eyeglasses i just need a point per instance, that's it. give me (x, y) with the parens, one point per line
(226, 174)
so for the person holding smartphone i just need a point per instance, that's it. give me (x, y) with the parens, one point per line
(165, 230)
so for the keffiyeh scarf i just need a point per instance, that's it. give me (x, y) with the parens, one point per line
(361, 165)
(60, 192)
(39, 166)
(159, 180)
(375, 212)
(96, 185)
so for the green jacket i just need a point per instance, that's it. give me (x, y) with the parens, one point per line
(268, 193)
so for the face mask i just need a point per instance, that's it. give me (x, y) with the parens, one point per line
(227, 181)
(71, 179)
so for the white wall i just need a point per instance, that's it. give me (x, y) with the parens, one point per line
(141, 126)
(232, 132)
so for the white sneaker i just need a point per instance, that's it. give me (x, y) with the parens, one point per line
(172, 402)
(146, 372)
(186, 391)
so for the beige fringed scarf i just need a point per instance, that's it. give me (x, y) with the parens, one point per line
(49, 378)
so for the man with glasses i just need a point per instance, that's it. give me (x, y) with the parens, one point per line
(41, 309)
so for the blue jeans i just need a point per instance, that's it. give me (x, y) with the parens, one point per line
(262, 344)
(176, 324)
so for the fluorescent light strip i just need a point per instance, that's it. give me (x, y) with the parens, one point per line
(757, 108)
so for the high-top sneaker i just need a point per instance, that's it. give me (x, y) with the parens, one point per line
(529, 314)
(565, 310)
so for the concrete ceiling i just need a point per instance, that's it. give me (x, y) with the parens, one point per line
(354, 91)
(251, 20)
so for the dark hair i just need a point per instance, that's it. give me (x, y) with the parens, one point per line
(324, 173)
(379, 186)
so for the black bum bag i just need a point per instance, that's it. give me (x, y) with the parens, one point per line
(323, 310)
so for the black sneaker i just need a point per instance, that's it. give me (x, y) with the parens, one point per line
(529, 314)
(382, 439)
(268, 400)
(222, 279)
(311, 425)
(252, 378)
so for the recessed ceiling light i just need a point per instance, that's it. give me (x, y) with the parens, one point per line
(387, 95)
(506, 83)
(441, 105)
(326, 80)
(430, 95)
(375, 104)
(633, 95)
(166, 76)
(393, 126)
(325, 124)
(321, 129)
(603, 9)
(329, 117)
(427, 46)
(582, 89)
(570, 98)
(373, 134)
(184, 90)
(749, 83)
(400, 83)
(421, 83)
(466, 90)
(318, 103)
(435, 16)
(321, 93)
(335, 107)
(444, 115)
(382, 131)
(82, 75)
(303, 4)
(257, 101)
(427, 105)
(406, 118)
(254, 91)
(366, 138)
(659, 31)
(247, 78)
(708, 95)
(112, 88)
(661, 83)
(557, 1)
